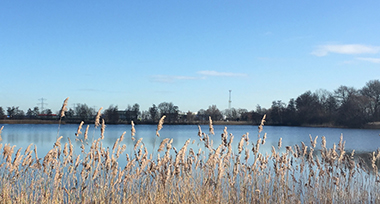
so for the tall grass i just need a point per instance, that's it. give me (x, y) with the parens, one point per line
(213, 173)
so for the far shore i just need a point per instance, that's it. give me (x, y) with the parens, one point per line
(28, 121)
(35, 121)
(372, 125)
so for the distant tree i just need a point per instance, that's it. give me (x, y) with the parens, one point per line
(190, 116)
(260, 110)
(47, 111)
(83, 112)
(243, 114)
(20, 114)
(231, 114)
(290, 115)
(214, 112)
(15, 113)
(352, 107)
(29, 113)
(169, 110)
(70, 113)
(32, 113)
(343, 93)
(128, 113)
(2, 114)
(202, 115)
(309, 110)
(330, 106)
(352, 113)
(111, 114)
(136, 111)
(256, 117)
(277, 112)
(35, 111)
(153, 112)
(132, 113)
(372, 91)
(11, 111)
(145, 116)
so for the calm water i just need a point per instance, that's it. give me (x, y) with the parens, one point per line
(44, 136)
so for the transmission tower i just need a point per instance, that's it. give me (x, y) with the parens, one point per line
(42, 103)
(229, 101)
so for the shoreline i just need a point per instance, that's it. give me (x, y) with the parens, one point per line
(373, 125)
(37, 121)
(28, 121)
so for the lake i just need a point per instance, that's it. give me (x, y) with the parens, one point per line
(44, 136)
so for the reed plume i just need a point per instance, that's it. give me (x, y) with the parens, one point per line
(211, 127)
(79, 129)
(64, 107)
(162, 145)
(102, 128)
(58, 142)
(133, 131)
(137, 143)
(62, 114)
(262, 123)
(97, 117)
(122, 137)
(86, 133)
(1, 129)
(159, 126)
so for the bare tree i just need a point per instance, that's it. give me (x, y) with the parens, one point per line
(372, 91)
(111, 114)
(170, 110)
(153, 112)
(214, 112)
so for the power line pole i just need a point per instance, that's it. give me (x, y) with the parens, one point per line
(229, 101)
(42, 103)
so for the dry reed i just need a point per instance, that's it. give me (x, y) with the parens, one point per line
(229, 173)
(97, 117)
(211, 127)
(64, 107)
(159, 126)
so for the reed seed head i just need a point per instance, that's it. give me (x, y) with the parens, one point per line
(133, 131)
(97, 117)
(79, 129)
(159, 126)
(64, 107)
(102, 128)
(211, 128)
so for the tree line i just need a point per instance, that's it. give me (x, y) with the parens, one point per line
(345, 106)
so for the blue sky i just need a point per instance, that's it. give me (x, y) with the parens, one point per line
(190, 53)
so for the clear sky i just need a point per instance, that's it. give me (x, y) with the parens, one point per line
(190, 53)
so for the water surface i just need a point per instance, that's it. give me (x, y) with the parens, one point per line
(44, 135)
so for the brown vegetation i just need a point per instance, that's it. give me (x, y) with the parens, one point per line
(211, 174)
